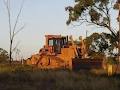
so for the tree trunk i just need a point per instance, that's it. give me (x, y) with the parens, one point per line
(119, 36)
(11, 51)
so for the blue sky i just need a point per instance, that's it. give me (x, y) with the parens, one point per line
(40, 17)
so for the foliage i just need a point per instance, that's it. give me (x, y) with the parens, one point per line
(116, 6)
(99, 45)
(96, 12)
(4, 57)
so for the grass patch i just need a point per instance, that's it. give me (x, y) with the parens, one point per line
(25, 78)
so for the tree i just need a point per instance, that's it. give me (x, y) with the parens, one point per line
(13, 29)
(4, 57)
(95, 12)
(101, 45)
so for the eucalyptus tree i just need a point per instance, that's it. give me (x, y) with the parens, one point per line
(95, 12)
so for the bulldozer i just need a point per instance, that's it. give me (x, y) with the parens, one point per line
(60, 52)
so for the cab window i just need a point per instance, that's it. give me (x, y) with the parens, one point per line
(50, 42)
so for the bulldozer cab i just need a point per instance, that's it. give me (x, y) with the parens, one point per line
(54, 43)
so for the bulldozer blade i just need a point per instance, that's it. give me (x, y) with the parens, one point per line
(86, 63)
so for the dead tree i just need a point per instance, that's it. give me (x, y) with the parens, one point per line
(13, 26)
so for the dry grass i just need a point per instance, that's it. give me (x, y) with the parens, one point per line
(24, 78)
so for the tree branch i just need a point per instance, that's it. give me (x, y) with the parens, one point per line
(17, 18)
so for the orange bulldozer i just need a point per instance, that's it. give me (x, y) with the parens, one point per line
(60, 52)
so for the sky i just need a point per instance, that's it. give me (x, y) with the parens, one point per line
(40, 17)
